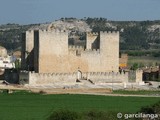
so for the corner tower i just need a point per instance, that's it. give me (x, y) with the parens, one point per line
(27, 50)
(50, 48)
(109, 50)
(92, 40)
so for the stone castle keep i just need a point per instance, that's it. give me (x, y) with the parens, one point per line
(52, 60)
(51, 53)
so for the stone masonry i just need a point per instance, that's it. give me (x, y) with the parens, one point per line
(53, 55)
(49, 59)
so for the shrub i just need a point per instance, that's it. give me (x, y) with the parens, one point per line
(42, 92)
(63, 115)
(100, 115)
(90, 115)
(155, 109)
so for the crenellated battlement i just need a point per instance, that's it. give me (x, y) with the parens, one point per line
(107, 73)
(93, 33)
(81, 50)
(53, 31)
(74, 74)
(52, 74)
(102, 32)
(30, 31)
(70, 78)
(109, 33)
(139, 71)
(91, 52)
(105, 77)
(73, 47)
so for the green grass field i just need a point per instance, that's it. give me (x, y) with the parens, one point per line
(145, 60)
(137, 92)
(30, 106)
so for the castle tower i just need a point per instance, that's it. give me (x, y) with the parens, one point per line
(92, 40)
(27, 50)
(109, 50)
(50, 48)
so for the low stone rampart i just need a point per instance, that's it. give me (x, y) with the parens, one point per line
(33, 78)
(52, 78)
(106, 77)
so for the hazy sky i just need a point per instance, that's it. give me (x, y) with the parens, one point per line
(40, 11)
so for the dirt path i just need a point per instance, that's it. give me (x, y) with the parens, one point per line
(86, 91)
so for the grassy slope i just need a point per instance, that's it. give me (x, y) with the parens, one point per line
(38, 107)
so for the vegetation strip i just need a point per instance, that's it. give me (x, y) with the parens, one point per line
(22, 104)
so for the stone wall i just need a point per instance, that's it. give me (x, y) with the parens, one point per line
(139, 76)
(108, 77)
(55, 62)
(33, 78)
(109, 50)
(54, 78)
(52, 53)
(136, 76)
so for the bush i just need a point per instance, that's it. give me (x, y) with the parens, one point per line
(90, 115)
(100, 115)
(135, 66)
(5, 91)
(64, 115)
(154, 109)
(42, 92)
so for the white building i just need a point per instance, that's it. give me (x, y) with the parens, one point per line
(7, 62)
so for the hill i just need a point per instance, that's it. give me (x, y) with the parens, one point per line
(135, 36)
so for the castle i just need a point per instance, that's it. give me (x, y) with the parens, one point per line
(51, 53)
(47, 54)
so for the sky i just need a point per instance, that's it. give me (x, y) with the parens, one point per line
(42, 11)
